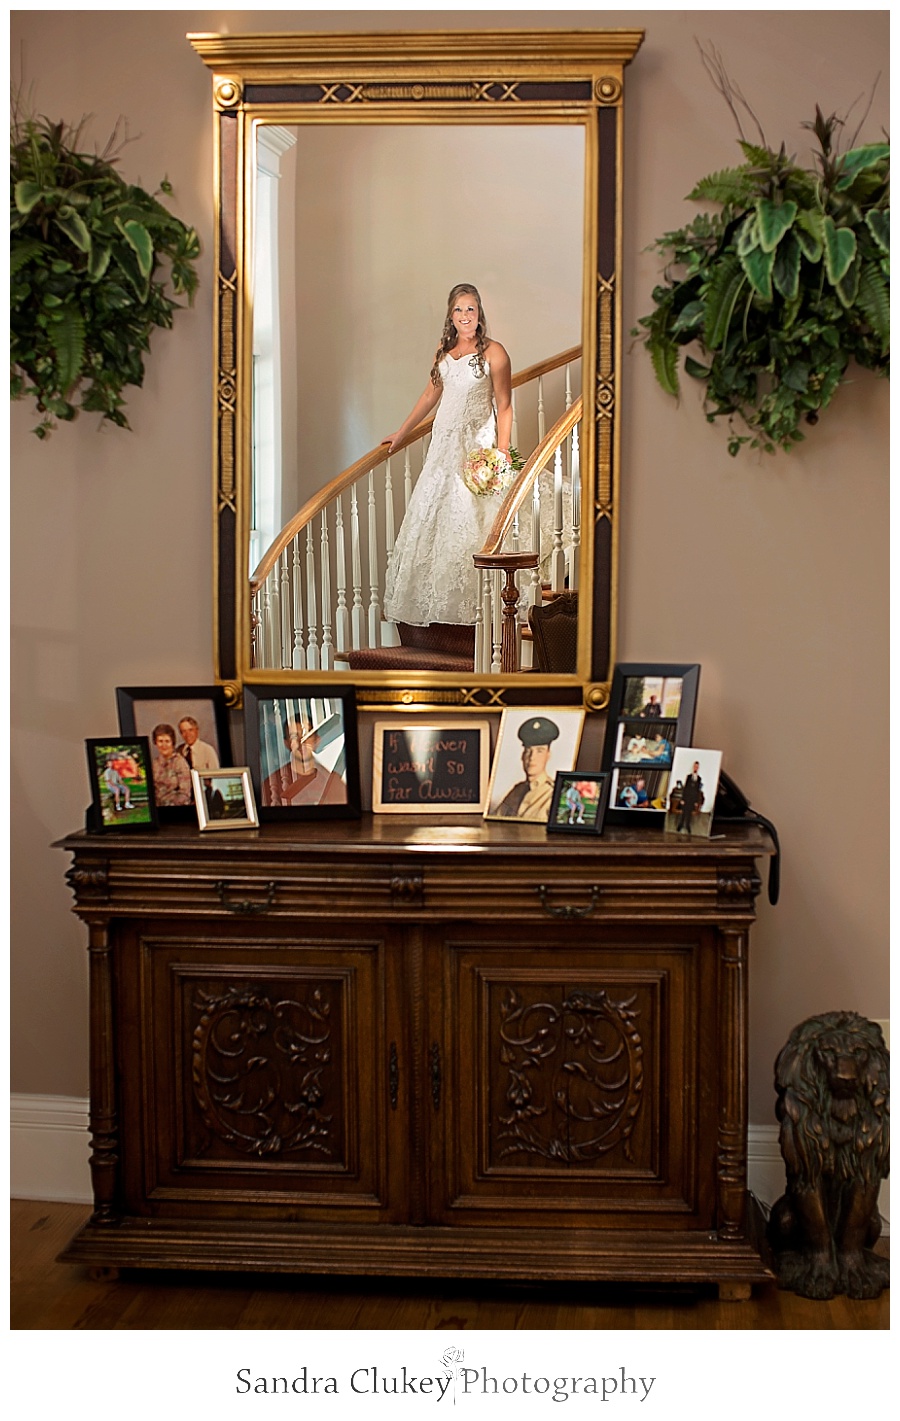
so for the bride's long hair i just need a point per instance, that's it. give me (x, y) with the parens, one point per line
(450, 335)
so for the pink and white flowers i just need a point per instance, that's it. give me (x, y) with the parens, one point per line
(489, 472)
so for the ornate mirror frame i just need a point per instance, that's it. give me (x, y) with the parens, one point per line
(549, 76)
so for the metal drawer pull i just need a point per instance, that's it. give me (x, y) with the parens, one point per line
(245, 905)
(566, 910)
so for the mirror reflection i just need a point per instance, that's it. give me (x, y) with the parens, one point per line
(371, 387)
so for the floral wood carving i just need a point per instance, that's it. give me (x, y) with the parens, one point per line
(263, 1071)
(575, 1076)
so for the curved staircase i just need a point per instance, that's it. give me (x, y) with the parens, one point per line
(316, 593)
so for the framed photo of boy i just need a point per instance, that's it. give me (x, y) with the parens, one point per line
(224, 798)
(302, 749)
(651, 713)
(579, 802)
(187, 727)
(121, 784)
(533, 744)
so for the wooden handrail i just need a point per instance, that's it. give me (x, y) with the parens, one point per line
(370, 461)
(527, 475)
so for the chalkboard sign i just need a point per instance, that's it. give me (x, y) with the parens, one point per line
(430, 768)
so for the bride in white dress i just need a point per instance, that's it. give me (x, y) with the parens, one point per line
(430, 577)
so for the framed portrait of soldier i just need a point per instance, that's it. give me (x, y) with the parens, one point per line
(301, 744)
(533, 743)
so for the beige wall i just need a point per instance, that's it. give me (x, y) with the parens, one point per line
(773, 574)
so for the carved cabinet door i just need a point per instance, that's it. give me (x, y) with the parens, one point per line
(258, 1063)
(578, 1084)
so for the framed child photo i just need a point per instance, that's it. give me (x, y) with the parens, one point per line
(121, 784)
(187, 727)
(224, 798)
(579, 802)
(651, 713)
(302, 748)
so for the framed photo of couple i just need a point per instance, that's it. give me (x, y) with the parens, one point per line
(651, 713)
(187, 728)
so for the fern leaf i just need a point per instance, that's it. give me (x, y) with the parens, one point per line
(66, 334)
(664, 357)
(730, 187)
(875, 301)
(720, 301)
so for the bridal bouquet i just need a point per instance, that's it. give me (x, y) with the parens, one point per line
(487, 471)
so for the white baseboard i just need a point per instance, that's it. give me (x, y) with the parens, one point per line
(49, 1149)
(49, 1154)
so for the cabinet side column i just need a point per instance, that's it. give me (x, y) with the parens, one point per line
(103, 1112)
(731, 1170)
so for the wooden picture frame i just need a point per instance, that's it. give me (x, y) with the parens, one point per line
(181, 711)
(580, 798)
(302, 749)
(430, 767)
(121, 779)
(651, 712)
(224, 798)
(523, 793)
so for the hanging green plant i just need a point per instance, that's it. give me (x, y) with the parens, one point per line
(779, 289)
(86, 291)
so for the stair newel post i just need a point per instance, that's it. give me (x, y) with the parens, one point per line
(342, 620)
(287, 636)
(298, 658)
(576, 509)
(356, 618)
(312, 611)
(374, 601)
(501, 569)
(327, 607)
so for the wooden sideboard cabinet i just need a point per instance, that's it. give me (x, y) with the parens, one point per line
(421, 1046)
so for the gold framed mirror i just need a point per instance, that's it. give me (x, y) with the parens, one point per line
(359, 178)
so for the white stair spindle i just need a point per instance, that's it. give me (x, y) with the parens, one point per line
(407, 479)
(389, 635)
(312, 639)
(576, 510)
(540, 408)
(286, 638)
(496, 622)
(342, 619)
(273, 618)
(483, 625)
(357, 619)
(557, 556)
(298, 656)
(374, 600)
(327, 659)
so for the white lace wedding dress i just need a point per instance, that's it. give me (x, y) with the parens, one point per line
(430, 576)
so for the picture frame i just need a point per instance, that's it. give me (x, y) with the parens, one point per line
(691, 814)
(224, 798)
(651, 713)
(430, 767)
(121, 779)
(522, 792)
(580, 798)
(165, 713)
(315, 773)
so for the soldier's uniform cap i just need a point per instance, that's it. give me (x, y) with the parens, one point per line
(538, 731)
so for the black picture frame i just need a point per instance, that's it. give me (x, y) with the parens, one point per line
(129, 758)
(143, 709)
(663, 697)
(332, 788)
(573, 809)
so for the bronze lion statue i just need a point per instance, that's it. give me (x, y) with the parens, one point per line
(831, 1078)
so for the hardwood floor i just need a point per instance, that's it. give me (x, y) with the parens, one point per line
(50, 1295)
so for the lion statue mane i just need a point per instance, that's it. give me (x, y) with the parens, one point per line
(831, 1078)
